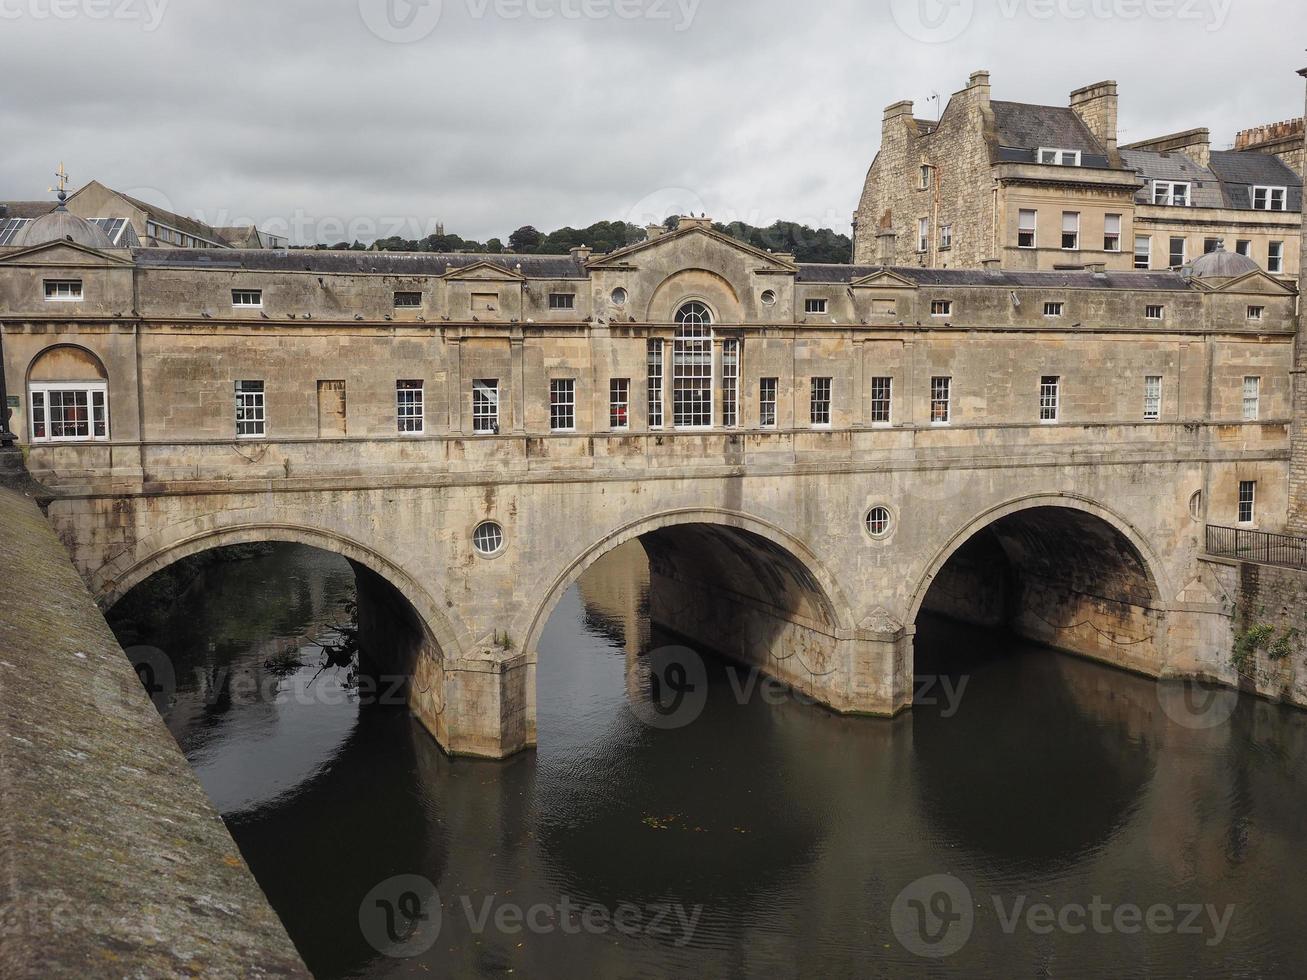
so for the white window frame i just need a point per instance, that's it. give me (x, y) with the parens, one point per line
(946, 235)
(882, 401)
(655, 371)
(55, 291)
(562, 404)
(1247, 502)
(1152, 397)
(239, 297)
(924, 177)
(923, 235)
(731, 348)
(941, 307)
(768, 402)
(1154, 311)
(1170, 252)
(1054, 308)
(1244, 246)
(251, 409)
(1275, 258)
(619, 404)
(1269, 192)
(485, 406)
(693, 374)
(1174, 193)
(1056, 157)
(941, 396)
(1050, 399)
(1146, 254)
(1252, 397)
(1073, 231)
(562, 301)
(1032, 230)
(1109, 245)
(40, 391)
(410, 407)
(1256, 313)
(815, 306)
(819, 410)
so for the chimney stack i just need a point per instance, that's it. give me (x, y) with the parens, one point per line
(978, 86)
(1096, 105)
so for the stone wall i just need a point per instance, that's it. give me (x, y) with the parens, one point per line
(1271, 622)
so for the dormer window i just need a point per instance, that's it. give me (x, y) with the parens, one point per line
(63, 290)
(1059, 158)
(247, 298)
(1174, 193)
(1270, 198)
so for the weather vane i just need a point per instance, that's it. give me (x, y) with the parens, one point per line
(62, 189)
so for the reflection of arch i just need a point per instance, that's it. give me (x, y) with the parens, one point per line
(833, 602)
(112, 581)
(66, 362)
(1144, 555)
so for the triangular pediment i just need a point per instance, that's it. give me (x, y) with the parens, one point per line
(630, 256)
(66, 253)
(483, 272)
(1256, 283)
(886, 277)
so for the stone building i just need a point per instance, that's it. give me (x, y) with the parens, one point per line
(1030, 187)
(1282, 139)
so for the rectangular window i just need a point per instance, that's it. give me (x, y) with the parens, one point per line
(1154, 312)
(655, 387)
(821, 401)
(1244, 247)
(1060, 158)
(1270, 198)
(1179, 252)
(882, 400)
(409, 414)
(923, 234)
(1053, 309)
(1049, 398)
(1275, 258)
(941, 307)
(1152, 397)
(247, 297)
(1255, 313)
(1070, 230)
(1247, 501)
(69, 411)
(941, 396)
(251, 419)
(562, 405)
(1252, 399)
(1171, 192)
(619, 403)
(924, 177)
(407, 300)
(817, 306)
(730, 383)
(485, 406)
(1143, 252)
(1027, 229)
(1210, 245)
(1112, 233)
(562, 301)
(63, 290)
(945, 236)
(767, 403)
(692, 376)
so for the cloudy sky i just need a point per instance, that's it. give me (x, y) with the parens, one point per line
(352, 118)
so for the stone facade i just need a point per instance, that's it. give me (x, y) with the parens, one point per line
(1283, 139)
(763, 524)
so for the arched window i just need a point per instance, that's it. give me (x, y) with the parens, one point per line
(68, 396)
(692, 368)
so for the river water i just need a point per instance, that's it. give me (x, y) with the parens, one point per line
(1034, 816)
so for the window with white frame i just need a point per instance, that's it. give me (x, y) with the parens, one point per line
(1252, 398)
(407, 299)
(1152, 397)
(1270, 198)
(945, 236)
(1256, 313)
(730, 383)
(1143, 252)
(1179, 253)
(1244, 247)
(1112, 233)
(654, 361)
(562, 301)
(1154, 311)
(485, 406)
(923, 234)
(1171, 192)
(1054, 308)
(924, 177)
(1058, 157)
(1050, 390)
(815, 306)
(767, 403)
(619, 403)
(1070, 230)
(409, 414)
(821, 401)
(1027, 229)
(247, 297)
(692, 371)
(69, 411)
(251, 415)
(63, 290)
(1247, 501)
(941, 400)
(882, 400)
(1210, 245)
(1275, 258)
(562, 404)
(941, 307)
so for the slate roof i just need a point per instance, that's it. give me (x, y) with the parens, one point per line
(1022, 129)
(25, 209)
(189, 226)
(1176, 166)
(1241, 171)
(359, 263)
(1158, 281)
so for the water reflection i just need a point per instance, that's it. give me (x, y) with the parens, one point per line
(790, 830)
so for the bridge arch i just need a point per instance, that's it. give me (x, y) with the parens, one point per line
(1060, 569)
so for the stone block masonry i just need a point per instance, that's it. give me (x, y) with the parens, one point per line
(113, 862)
(1271, 622)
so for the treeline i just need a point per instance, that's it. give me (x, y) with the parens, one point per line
(807, 244)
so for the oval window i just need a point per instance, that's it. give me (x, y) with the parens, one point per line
(619, 296)
(488, 539)
(879, 522)
(769, 298)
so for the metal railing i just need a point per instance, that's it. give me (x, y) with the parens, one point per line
(1257, 546)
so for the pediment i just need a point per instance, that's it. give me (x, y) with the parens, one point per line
(1257, 283)
(886, 278)
(483, 272)
(694, 236)
(66, 253)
